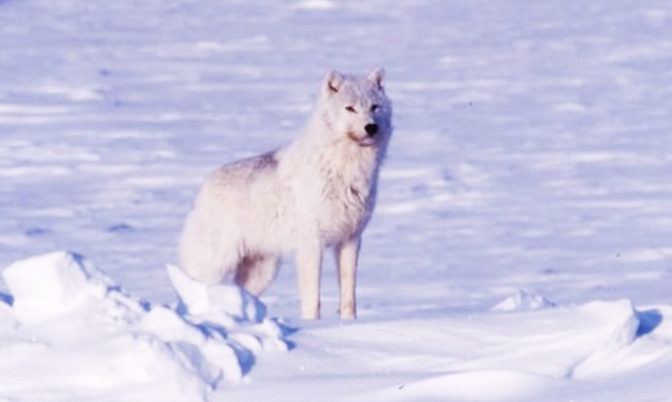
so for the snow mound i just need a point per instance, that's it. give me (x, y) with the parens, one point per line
(46, 286)
(72, 327)
(208, 301)
(524, 300)
(606, 357)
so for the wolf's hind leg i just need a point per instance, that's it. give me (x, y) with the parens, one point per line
(255, 273)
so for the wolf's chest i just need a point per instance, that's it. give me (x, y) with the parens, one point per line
(346, 207)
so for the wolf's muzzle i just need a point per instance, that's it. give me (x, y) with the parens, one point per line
(371, 129)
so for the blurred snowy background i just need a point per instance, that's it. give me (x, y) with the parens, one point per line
(532, 148)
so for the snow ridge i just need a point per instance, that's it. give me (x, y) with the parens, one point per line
(72, 325)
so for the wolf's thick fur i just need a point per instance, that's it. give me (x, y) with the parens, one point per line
(317, 192)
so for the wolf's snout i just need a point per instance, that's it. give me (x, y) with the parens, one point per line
(371, 129)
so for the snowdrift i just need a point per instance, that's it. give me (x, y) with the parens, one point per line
(67, 328)
(69, 332)
(526, 348)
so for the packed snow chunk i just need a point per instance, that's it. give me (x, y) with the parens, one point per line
(209, 352)
(191, 359)
(524, 300)
(48, 285)
(211, 300)
(167, 325)
(218, 308)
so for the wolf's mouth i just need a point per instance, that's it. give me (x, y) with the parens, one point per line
(362, 141)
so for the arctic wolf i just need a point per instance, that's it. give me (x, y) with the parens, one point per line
(318, 192)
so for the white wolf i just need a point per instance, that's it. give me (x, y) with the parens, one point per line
(317, 192)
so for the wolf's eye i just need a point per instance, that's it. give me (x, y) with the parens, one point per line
(350, 109)
(374, 108)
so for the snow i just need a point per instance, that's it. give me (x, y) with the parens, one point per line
(524, 300)
(206, 301)
(76, 329)
(521, 247)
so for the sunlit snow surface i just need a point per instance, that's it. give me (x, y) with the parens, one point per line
(522, 244)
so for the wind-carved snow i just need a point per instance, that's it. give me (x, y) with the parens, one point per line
(73, 328)
(523, 355)
(604, 359)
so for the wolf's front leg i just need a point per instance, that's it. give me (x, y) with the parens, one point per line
(346, 255)
(309, 265)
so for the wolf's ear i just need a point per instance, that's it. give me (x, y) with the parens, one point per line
(332, 83)
(376, 76)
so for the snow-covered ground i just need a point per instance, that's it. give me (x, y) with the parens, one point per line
(522, 244)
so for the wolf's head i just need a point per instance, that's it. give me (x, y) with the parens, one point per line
(357, 108)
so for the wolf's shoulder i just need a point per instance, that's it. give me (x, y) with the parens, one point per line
(245, 170)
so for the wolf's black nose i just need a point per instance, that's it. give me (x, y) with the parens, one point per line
(371, 129)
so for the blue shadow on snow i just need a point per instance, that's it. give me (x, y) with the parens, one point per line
(649, 320)
(7, 299)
